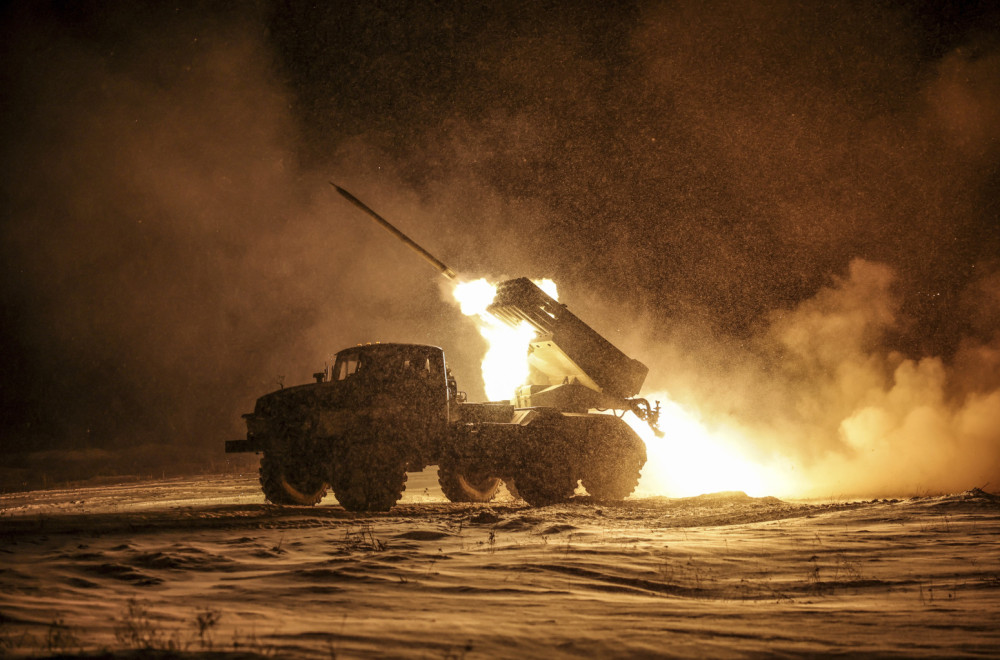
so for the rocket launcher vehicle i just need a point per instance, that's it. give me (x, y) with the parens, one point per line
(572, 367)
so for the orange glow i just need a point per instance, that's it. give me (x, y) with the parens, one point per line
(692, 460)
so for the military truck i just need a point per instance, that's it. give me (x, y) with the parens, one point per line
(382, 410)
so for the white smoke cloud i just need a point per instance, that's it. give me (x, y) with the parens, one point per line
(818, 396)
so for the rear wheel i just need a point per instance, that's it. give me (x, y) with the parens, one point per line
(616, 457)
(466, 485)
(546, 474)
(542, 485)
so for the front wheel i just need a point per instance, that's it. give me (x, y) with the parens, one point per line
(369, 479)
(286, 482)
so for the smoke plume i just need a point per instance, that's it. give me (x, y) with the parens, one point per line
(817, 394)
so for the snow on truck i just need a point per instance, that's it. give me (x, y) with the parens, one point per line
(382, 410)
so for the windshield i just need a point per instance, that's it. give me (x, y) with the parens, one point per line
(347, 365)
(384, 360)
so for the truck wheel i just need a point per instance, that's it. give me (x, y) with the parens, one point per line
(284, 482)
(544, 482)
(467, 485)
(545, 473)
(368, 479)
(615, 481)
(372, 490)
(613, 469)
(544, 489)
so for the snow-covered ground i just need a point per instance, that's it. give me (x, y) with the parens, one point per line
(203, 566)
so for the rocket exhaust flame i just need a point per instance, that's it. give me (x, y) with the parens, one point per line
(505, 366)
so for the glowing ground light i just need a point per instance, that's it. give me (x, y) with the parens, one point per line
(691, 460)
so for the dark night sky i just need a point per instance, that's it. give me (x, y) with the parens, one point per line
(687, 172)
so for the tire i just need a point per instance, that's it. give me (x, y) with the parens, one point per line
(545, 485)
(368, 478)
(467, 485)
(615, 457)
(287, 483)
(545, 478)
(546, 474)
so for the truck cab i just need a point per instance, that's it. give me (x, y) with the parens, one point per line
(397, 374)
(404, 385)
